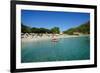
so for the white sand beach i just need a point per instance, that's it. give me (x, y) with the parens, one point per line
(31, 38)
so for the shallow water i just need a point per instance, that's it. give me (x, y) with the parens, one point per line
(75, 48)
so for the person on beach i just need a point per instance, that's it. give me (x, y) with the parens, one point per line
(54, 38)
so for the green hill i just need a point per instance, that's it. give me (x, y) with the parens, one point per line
(25, 29)
(83, 29)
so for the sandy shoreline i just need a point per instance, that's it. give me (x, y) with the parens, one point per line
(41, 38)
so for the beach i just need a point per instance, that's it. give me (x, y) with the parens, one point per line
(31, 38)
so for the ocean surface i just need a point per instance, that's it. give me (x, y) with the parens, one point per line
(65, 49)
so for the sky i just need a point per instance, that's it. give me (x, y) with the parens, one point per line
(50, 19)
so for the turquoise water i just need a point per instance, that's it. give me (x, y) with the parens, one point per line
(75, 48)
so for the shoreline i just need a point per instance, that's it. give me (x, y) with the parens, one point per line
(44, 37)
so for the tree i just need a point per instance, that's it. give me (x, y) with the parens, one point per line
(40, 30)
(34, 30)
(55, 30)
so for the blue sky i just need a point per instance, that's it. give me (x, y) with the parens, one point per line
(50, 19)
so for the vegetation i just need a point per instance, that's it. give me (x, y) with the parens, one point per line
(84, 29)
(39, 30)
(26, 29)
(55, 30)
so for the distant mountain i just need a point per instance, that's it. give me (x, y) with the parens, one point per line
(84, 29)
